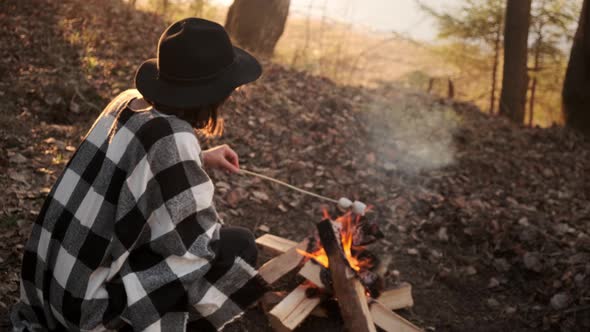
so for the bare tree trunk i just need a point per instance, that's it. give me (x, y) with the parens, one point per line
(514, 80)
(321, 60)
(495, 68)
(450, 89)
(430, 85)
(257, 25)
(536, 69)
(198, 7)
(165, 4)
(303, 51)
(532, 102)
(576, 87)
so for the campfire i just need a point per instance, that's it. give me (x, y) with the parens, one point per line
(338, 268)
(352, 234)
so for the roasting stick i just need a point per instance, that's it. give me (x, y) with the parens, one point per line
(345, 203)
(303, 191)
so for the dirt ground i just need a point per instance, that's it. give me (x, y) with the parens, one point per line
(488, 221)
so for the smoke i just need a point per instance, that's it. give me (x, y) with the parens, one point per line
(412, 132)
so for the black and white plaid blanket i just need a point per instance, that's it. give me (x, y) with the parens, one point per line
(127, 236)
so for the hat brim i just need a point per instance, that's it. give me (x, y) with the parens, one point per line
(186, 95)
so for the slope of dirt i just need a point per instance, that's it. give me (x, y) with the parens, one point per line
(488, 221)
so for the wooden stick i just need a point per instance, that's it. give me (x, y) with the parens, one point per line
(275, 245)
(292, 310)
(277, 267)
(397, 298)
(347, 288)
(389, 320)
(303, 191)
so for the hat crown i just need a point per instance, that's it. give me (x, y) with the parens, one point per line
(193, 49)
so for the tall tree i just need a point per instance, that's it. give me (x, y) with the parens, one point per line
(515, 79)
(478, 22)
(576, 88)
(257, 24)
(552, 23)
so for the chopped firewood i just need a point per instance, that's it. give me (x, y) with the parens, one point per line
(347, 288)
(397, 298)
(311, 271)
(293, 309)
(270, 299)
(277, 267)
(389, 320)
(275, 245)
(291, 313)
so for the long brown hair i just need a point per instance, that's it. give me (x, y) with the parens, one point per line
(206, 118)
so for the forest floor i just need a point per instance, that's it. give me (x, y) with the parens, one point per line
(490, 222)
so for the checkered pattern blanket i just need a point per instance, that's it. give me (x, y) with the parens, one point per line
(126, 239)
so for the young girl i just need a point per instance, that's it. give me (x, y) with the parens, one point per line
(128, 238)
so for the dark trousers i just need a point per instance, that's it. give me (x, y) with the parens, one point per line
(236, 241)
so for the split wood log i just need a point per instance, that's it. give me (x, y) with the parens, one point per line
(292, 310)
(347, 288)
(389, 320)
(392, 299)
(270, 299)
(275, 245)
(277, 267)
(311, 271)
(278, 245)
(397, 298)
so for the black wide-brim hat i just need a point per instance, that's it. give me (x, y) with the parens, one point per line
(196, 65)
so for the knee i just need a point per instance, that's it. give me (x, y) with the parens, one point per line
(243, 241)
(248, 243)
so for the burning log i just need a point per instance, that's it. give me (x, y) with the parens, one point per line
(347, 288)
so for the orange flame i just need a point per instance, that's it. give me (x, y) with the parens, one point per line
(348, 226)
(319, 256)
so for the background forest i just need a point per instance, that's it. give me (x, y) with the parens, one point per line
(467, 51)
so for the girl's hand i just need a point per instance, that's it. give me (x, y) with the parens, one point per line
(222, 157)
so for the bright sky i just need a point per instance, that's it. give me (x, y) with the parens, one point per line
(402, 16)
